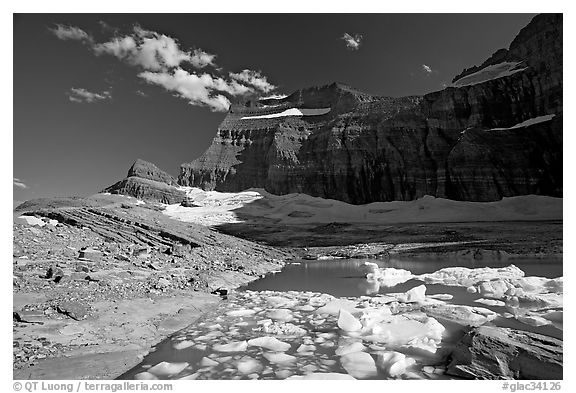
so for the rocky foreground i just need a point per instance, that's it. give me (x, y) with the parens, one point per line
(98, 281)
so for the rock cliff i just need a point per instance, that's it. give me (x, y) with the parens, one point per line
(495, 132)
(146, 181)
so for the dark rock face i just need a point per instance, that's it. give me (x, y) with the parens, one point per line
(491, 352)
(147, 170)
(464, 142)
(146, 181)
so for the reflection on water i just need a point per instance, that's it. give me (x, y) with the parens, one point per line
(347, 277)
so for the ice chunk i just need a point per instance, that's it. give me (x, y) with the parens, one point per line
(306, 348)
(350, 348)
(144, 376)
(279, 358)
(165, 369)
(490, 302)
(393, 363)
(322, 376)
(234, 346)
(465, 277)
(464, 315)
(183, 344)
(240, 313)
(359, 365)
(280, 314)
(348, 322)
(247, 365)
(414, 295)
(389, 277)
(333, 307)
(206, 362)
(270, 343)
(441, 296)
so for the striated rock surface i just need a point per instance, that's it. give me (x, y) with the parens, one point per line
(491, 352)
(496, 132)
(146, 181)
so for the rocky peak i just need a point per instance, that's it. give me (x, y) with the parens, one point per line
(537, 45)
(147, 170)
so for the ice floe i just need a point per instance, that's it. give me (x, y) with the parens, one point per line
(359, 365)
(271, 343)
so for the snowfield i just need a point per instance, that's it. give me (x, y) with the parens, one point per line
(291, 112)
(526, 123)
(215, 208)
(489, 73)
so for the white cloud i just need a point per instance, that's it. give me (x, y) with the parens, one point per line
(427, 69)
(152, 51)
(353, 41)
(19, 183)
(254, 78)
(160, 60)
(201, 59)
(70, 33)
(81, 95)
(198, 90)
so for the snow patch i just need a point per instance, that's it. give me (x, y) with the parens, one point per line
(291, 112)
(526, 123)
(491, 72)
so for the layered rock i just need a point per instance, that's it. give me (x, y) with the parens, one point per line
(471, 141)
(147, 182)
(490, 352)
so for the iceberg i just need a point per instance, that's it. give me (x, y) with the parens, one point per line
(234, 346)
(359, 365)
(166, 369)
(271, 343)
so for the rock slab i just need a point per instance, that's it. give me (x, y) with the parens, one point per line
(491, 352)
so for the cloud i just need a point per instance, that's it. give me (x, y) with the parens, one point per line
(152, 51)
(203, 90)
(162, 62)
(353, 42)
(427, 69)
(80, 95)
(70, 33)
(18, 183)
(254, 78)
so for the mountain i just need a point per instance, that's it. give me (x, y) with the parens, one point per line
(146, 181)
(495, 132)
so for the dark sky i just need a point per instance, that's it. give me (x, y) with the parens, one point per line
(63, 147)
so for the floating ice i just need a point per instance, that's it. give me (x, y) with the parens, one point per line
(347, 322)
(465, 277)
(183, 344)
(247, 365)
(240, 313)
(414, 295)
(144, 376)
(464, 315)
(279, 358)
(490, 302)
(322, 376)
(271, 343)
(235, 346)
(387, 277)
(350, 348)
(393, 363)
(359, 365)
(280, 314)
(165, 369)
(333, 307)
(206, 362)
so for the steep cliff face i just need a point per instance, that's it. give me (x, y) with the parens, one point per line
(496, 132)
(146, 181)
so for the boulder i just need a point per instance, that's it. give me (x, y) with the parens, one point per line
(73, 309)
(490, 352)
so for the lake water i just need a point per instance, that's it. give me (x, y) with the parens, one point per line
(340, 278)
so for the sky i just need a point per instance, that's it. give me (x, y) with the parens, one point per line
(94, 92)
